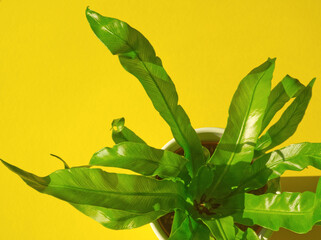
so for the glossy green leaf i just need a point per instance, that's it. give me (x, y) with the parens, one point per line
(288, 123)
(295, 157)
(285, 90)
(140, 158)
(221, 228)
(109, 190)
(123, 134)
(185, 227)
(297, 212)
(118, 219)
(138, 57)
(236, 148)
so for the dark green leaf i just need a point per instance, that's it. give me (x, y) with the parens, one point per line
(297, 212)
(123, 134)
(249, 234)
(286, 89)
(207, 153)
(288, 123)
(295, 157)
(140, 158)
(201, 182)
(221, 228)
(236, 148)
(118, 219)
(138, 57)
(109, 190)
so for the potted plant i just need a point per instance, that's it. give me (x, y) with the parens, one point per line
(225, 189)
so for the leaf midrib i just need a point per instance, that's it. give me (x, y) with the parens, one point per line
(187, 151)
(154, 162)
(105, 192)
(239, 137)
(272, 211)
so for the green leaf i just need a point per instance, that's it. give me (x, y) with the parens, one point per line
(140, 158)
(118, 219)
(123, 134)
(294, 157)
(109, 190)
(297, 212)
(138, 57)
(201, 182)
(249, 234)
(236, 148)
(179, 218)
(285, 90)
(288, 123)
(63, 161)
(207, 153)
(221, 228)
(185, 227)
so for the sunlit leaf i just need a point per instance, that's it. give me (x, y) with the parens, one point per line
(109, 190)
(236, 148)
(288, 123)
(138, 57)
(285, 90)
(295, 157)
(297, 212)
(140, 158)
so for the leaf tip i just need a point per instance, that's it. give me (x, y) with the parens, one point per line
(91, 14)
(63, 161)
(311, 83)
(272, 60)
(118, 124)
(4, 162)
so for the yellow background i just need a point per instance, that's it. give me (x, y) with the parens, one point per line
(60, 88)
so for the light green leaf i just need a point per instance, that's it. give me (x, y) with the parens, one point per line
(221, 228)
(297, 212)
(140, 158)
(138, 57)
(236, 148)
(118, 219)
(288, 123)
(188, 229)
(123, 134)
(109, 190)
(285, 90)
(294, 157)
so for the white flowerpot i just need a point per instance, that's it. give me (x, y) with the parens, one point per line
(205, 134)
